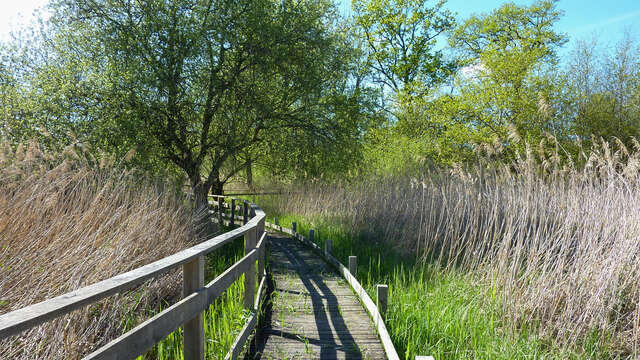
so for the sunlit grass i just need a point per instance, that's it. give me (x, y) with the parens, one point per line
(433, 310)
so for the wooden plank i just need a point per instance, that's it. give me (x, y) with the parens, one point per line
(137, 341)
(313, 310)
(248, 328)
(30, 316)
(238, 344)
(250, 274)
(193, 340)
(369, 305)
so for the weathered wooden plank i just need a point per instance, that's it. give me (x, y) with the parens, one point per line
(30, 316)
(193, 339)
(250, 274)
(248, 328)
(137, 341)
(314, 308)
(369, 305)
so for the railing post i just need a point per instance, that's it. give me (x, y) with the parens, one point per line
(312, 234)
(193, 280)
(327, 247)
(262, 252)
(353, 265)
(250, 275)
(233, 212)
(381, 293)
(294, 229)
(220, 210)
(245, 213)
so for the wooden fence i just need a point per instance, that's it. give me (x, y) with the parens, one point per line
(377, 312)
(187, 312)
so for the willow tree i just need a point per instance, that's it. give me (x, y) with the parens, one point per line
(202, 81)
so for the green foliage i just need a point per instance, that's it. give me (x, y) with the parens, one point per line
(512, 52)
(505, 93)
(444, 313)
(401, 37)
(193, 86)
(602, 93)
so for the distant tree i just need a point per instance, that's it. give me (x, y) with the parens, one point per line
(602, 96)
(401, 39)
(512, 57)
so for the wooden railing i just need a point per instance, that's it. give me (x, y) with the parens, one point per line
(377, 312)
(187, 312)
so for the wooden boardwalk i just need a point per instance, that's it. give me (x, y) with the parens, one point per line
(312, 312)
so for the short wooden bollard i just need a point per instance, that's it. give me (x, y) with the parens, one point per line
(245, 213)
(382, 291)
(220, 209)
(277, 221)
(294, 229)
(193, 280)
(233, 212)
(312, 234)
(353, 265)
(327, 246)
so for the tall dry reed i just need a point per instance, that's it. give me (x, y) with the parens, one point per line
(70, 220)
(559, 242)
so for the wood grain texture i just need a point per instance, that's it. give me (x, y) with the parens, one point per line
(364, 298)
(313, 313)
(137, 341)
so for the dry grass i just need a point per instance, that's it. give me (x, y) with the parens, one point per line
(71, 220)
(558, 242)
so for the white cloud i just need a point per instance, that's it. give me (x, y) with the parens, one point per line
(473, 71)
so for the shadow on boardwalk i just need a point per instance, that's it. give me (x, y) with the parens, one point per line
(312, 312)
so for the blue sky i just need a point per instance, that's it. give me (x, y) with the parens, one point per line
(582, 20)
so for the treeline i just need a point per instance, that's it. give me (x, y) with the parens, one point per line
(208, 91)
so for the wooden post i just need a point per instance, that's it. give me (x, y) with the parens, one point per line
(220, 210)
(353, 265)
(249, 275)
(245, 213)
(327, 246)
(381, 293)
(262, 252)
(233, 212)
(277, 222)
(312, 234)
(294, 228)
(193, 280)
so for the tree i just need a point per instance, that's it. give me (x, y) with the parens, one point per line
(511, 55)
(401, 37)
(602, 95)
(200, 82)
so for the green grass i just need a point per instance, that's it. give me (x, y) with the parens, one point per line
(448, 314)
(223, 320)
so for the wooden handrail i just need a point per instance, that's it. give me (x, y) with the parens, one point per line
(137, 341)
(369, 305)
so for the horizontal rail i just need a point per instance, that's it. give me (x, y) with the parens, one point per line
(136, 342)
(369, 305)
(147, 334)
(249, 326)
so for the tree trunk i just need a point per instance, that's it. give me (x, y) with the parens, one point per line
(204, 226)
(249, 172)
(217, 188)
